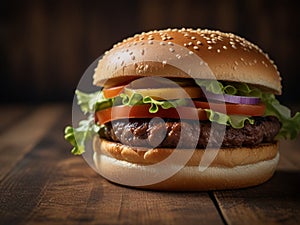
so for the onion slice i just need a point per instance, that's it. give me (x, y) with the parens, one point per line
(233, 98)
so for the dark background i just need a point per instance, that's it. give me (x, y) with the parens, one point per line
(46, 46)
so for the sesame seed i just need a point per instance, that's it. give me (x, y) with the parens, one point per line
(190, 43)
(130, 53)
(199, 42)
(209, 47)
(164, 38)
(178, 56)
(150, 38)
(193, 38)
(186, 35)
(208, 42)
(170, 43)
(133, 57)
(218, 50)
(196, 47)
(185, 44)
(233, 46)
(191, 53)
(171, 50)
(150, 42)
(224, 46)
(164, 62)
(142, 52)
(162, 43)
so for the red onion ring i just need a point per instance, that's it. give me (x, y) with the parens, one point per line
(233, 98)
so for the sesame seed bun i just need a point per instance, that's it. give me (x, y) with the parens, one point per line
(167, 53)
(232, 167)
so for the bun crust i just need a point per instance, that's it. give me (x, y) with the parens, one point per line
(232, 168)
(168, 53)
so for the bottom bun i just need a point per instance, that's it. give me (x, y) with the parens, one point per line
(189, 177)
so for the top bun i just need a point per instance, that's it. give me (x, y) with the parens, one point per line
(188, 53)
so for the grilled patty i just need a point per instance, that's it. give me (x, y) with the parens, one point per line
(181, 134)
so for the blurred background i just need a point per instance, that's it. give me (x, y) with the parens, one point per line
(46, 46)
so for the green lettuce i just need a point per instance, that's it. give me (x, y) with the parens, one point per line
(87, 101)
(290, 128)
(236, 121)
(78, 136)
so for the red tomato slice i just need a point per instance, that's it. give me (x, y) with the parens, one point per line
(142, 111)
(113, 91)
(233, 109)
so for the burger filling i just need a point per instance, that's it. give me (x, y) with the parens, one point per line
(128, 114)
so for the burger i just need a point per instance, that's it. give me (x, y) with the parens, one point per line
(184, 109)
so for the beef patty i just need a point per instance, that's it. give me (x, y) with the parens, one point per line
(167, 133)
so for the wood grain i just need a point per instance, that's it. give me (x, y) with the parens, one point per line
(24, 133)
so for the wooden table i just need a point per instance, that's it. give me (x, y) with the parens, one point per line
(42, 183)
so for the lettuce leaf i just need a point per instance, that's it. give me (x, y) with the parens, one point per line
(78, 136)
(87, 101)
(236, 121)
(230, 88)
(290, 128)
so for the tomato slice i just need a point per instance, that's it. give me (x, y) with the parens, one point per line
(233, 109)
(113, 91)
(182, 112)
(142, 111)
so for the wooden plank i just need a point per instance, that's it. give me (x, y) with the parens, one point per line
(22, 136)
(21, 188)
(274, 202)
(50, 186)
(12, 114)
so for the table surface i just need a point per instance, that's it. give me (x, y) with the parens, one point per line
(42, 183)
